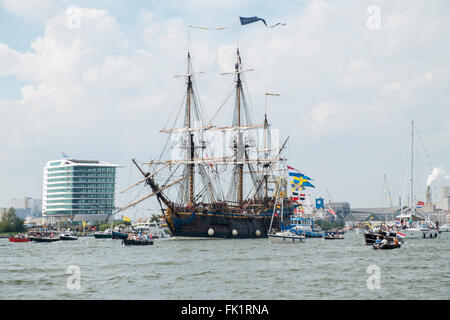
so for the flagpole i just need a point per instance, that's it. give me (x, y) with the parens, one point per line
(188, 38)
(237, 31)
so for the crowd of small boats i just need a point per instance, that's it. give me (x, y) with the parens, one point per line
(299, 228)
(382, 237)
(43, 237)
(385, 236)
(141, 234)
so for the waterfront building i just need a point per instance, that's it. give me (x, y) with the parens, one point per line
(342, 209)
(78, 190)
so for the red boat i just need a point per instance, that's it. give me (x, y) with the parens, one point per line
(12, 239)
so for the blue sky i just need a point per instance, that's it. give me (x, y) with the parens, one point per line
(349, 92)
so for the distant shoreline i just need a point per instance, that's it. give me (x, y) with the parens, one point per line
(7, 234)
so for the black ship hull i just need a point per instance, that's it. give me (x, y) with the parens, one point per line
(221, 225)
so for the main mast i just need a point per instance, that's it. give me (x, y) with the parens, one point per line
(191, 134)
(239, 155)
(412, 167)
(266, 124)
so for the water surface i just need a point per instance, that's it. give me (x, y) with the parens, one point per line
(225, 269)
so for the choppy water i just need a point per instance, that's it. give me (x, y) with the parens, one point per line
(225, 269)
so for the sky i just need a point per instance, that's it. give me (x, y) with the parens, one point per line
(95, 79)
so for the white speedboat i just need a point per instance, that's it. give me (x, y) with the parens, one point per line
(67, 235)
(285, 237)
(151, 227)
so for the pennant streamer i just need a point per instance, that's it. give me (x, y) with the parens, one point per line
(249, 20)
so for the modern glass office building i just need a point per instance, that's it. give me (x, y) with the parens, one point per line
(79, 187)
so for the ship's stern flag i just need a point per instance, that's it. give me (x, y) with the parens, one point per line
(249, 20)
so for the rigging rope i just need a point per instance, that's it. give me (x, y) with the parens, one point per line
(425, 149)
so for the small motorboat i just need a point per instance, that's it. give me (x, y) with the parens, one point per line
(382, 246)
(285, 237)
(107, 234)
(334, 236)
(67, 237)
(103, 235)
(14, 239)
(119, 235)
(371, 236)
(136, 242)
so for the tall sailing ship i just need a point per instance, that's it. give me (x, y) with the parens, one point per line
(205, 203)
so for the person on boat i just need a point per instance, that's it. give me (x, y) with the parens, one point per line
(385, 241)
(395, 241)
(378, 240)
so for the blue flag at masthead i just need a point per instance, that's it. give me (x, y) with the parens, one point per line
(255, 19)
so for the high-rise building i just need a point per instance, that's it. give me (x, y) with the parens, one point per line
(26, 207)
(81, 190)
(445, 197)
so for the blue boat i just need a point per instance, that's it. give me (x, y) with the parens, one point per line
(302, 226)
(119, 235)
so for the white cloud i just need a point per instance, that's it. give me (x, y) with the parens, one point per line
(391, 87)
(338, 79)
(36, 10)
(322, 115)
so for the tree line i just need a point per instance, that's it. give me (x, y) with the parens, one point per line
(10, 222)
